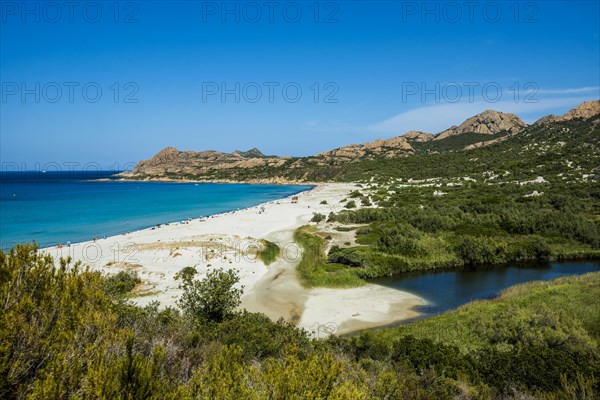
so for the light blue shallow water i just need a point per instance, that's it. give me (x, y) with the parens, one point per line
(53, 208)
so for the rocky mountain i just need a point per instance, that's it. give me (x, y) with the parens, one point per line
(254, 152)
(545, 120)
(484, 129)
(583, 111)
(489, 122)
(171, 162)
(418, 136)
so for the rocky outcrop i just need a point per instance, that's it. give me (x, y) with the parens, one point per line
(395, 147)
(170, 161)
(546, 120)
(418, 136)
(488, 122)
(486, 143)
(252, 153)
(583, 111)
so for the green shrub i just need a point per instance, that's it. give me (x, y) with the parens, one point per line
(121, 283)
(347, 256)
(213, 298)
(317, 217)
(401, 245)
(474, 250)
(424, 354)
(186, 273)
(269, 252)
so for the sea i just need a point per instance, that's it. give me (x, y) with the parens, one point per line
(53, 207)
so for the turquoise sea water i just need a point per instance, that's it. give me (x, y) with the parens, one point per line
(53, 208)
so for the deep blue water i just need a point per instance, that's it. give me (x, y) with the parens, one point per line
(447, 290)
(56, 207)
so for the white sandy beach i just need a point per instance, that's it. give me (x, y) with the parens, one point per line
(229, 241)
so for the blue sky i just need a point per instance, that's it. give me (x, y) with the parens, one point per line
(213, 75)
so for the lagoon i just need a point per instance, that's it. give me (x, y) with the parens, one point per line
(447, 290)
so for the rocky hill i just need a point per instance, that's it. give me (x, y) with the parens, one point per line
(254, 152)
(418, 136)
(583, 111)
(394, 147)
(482, 130)
(171, 163)
(545, 120)
(488, 122)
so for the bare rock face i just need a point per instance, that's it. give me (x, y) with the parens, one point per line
(418, 136)
(394, 147)
(171, 161)
(165, 155)
(488, 122)
(254, 152)
(583, 111)
(486, 143)
(546, 120)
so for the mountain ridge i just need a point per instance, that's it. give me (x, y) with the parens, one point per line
(484, 129)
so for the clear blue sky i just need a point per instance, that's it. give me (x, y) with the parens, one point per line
(373, 58)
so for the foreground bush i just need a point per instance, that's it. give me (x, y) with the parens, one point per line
(64, 334)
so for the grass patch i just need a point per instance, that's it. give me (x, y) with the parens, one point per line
(314, 270)
(269, 253)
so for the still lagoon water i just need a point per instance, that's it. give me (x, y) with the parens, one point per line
(447, 290)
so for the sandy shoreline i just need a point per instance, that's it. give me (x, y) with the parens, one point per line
(229, 241)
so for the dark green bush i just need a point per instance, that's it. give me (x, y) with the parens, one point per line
(186, 273)
(424, 354)
(347, 256)
(122, 282)
(317, 217)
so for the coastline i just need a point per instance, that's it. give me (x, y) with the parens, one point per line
(229, 240)
(282, 182)
(127, 176)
